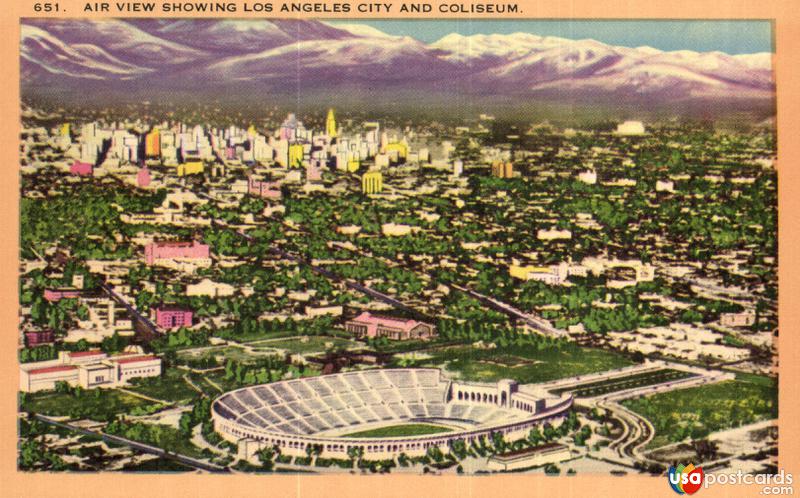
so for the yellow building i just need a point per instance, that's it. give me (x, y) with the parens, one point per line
(330, 124)
(295, 156)
(152, 143)
(353, 165)
(502, 169)
(523, 272)
(400, 147)
(372, 182)
(190, 168)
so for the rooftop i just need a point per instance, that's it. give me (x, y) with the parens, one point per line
(138, 359)
(81, 354)
(544, 448)
(58, 368)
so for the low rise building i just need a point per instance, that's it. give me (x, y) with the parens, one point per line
(368, 325)
(177, 255)
(208, 287)
(38, 337)
(54, 295)
(171, 317)
(81, 169)
(529, 457)
(88, 369)
(744, 319)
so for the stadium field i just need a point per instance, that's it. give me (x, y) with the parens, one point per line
(400, 431)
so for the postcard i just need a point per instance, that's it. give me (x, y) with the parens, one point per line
(340, 246)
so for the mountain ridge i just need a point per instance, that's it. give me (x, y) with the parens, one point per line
(280, 55)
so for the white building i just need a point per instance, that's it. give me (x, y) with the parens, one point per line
(208, 287)
(744, 319)
(553, 234)
(88, 369)
(665, 186)
(630, 128)
(589, 177)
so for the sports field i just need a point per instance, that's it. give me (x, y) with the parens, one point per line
(643, 379)
(400, 431)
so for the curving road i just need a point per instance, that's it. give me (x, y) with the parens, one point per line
(637, 431)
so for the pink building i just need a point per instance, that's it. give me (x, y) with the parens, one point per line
(170, 317)
(369, 325)
(313, 173)
(38, 337)
(54, 295)
(289, 128)
(81, 169)
(143, 177)
(266, 190)
(174, 250)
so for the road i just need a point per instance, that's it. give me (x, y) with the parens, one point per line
(145, 448)
(143, 320)
(535, 322)
(637, 431)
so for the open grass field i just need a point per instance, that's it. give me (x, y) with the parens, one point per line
(526, 364)
(644, 379)
(400, 431)
(98, 404)
(223, 353)
(253, 351)
(304, 345)
(698, 411)
(170, 387)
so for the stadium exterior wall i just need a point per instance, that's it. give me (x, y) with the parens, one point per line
(250, 440)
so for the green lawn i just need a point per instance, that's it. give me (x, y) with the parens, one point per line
(698, 411)
(525, 364)
(400, 431)
(303, 345)
(223, 353)
(97, 404)
(170, 386)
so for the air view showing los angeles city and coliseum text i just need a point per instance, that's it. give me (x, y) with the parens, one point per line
(426, 247)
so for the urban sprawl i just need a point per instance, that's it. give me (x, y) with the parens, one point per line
(372, 294)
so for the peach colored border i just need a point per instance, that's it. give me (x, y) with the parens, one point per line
(13, 484)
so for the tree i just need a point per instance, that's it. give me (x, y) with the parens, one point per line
(435, 454)
(498, 442)
(355, 453)
(551, 469)
(266, 456)
(458, 448)
(535, 436)
(549, 432)
(705, 449)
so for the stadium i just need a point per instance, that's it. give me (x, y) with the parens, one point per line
(382, 412)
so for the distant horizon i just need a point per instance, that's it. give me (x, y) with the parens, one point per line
(734, 37)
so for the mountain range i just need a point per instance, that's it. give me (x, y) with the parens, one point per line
(282, 57)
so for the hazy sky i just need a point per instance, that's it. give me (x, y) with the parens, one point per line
(733, 37)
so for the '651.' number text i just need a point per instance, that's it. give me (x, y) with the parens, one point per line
(46, 7)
